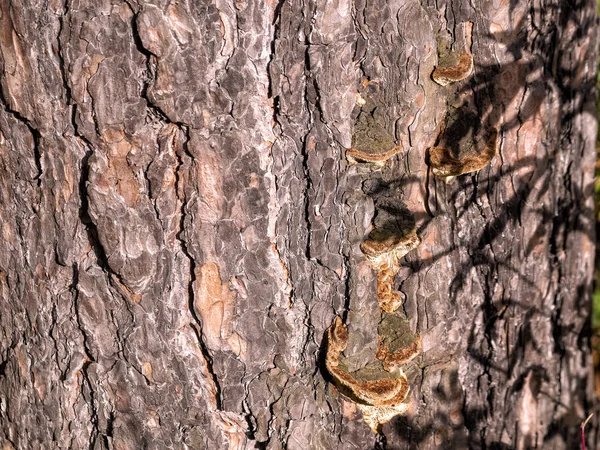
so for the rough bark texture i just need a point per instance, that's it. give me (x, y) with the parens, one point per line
(180, 224)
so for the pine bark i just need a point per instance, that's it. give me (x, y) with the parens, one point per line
(180, 223)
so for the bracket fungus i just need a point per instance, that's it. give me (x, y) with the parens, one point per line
(456, 66)
(446, 165)
(397, 344)
(371, 142)
(380, 388)
(379, 394)
(356, 155)
(384, 250)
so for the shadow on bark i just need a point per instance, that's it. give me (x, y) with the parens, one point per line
(544, 76)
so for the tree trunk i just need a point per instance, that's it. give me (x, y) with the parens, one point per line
(185, 187)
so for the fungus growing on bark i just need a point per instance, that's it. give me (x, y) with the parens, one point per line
(397, 344)
(383, 247)
(454, 67)
(378, 394)
(377, 156)
(445, 165)
(371, 142)
(458, 64)
(384, 250)
(380, 388)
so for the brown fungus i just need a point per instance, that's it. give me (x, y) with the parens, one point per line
(382, 245)
(379, 395)
(397, 344)
(376, 156)
(456, 66)
(384, 251)
(371, 142)
(445, 165)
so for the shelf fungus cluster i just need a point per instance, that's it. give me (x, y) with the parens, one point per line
(464, 144)
(380, 388)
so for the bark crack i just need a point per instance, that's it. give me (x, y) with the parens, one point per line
(196, 325)
(304, 149)
(248, 415)
(277, 27)
(86, 219)
(270, 430)
(36, 137)
(150, 74)
(347, 287)
(307, 188)
(91, 401)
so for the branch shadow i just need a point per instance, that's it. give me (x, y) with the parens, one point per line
(548, 74)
